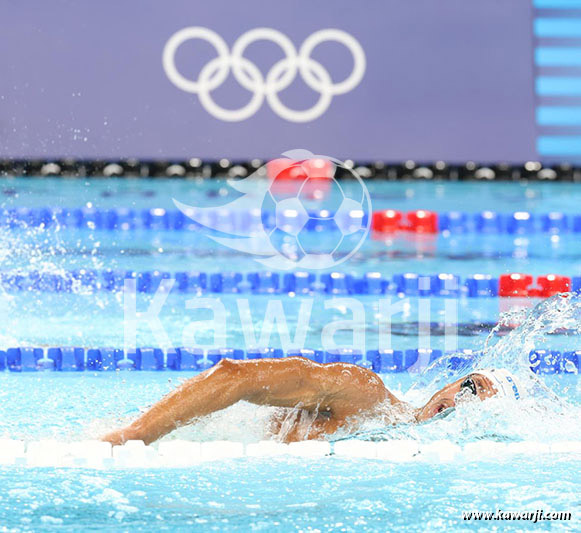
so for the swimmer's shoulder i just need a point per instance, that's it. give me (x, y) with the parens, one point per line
(360, 387)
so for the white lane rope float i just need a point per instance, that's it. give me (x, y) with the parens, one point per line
(184, 454)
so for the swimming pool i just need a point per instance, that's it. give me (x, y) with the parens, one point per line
(339, 492)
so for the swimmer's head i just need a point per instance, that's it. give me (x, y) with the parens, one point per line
(481, 383)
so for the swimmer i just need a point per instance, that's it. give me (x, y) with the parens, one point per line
(334, 395)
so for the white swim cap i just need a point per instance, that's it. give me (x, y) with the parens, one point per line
(505, 383)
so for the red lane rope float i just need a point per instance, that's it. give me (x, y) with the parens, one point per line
(422, 221)
(517, 285)
(552, 284)
(311, 177)
(387, 221)
(419, 221)
(514, 285)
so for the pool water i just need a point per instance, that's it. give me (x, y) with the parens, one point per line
(283, 493)
(288, 495)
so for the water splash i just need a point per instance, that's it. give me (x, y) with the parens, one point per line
(553, 323)
(551, 408)
(45, 251)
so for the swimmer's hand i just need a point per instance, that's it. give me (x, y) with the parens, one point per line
(117, 437)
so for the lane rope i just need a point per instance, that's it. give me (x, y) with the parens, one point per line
(383, 221)
(444, 285)
(196, 167)
(182, 454)
(77, 359)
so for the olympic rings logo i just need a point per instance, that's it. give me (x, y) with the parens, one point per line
(278, 78)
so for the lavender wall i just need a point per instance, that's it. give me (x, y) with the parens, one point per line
(451, 79)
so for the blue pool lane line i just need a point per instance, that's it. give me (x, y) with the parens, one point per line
(71, 359)
(157, 219)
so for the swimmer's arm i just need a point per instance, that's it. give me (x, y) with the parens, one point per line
(341, 389)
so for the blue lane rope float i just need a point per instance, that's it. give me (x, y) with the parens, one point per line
(160, 219)
(267, 282)
(76, 359)
(254, 282)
